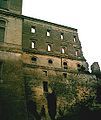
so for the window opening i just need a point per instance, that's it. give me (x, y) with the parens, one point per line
(48, 32)
(33, 30)
(45, 86)
(33, 44)
(62, 36)
(49, 47)
(2, 30)
(78, 65)
(45, 73)
(34, 59)
(50, 61)
(65, 75)
(63, 50)
(74, 38)
(76, 53)
(65, 65)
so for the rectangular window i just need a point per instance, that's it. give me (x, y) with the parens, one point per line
(33, 45)
(45, 86)
(74, 39)
(49, 47)
(62, 36)
(76, 53)
(63, 50)
(33, 30)
(2, 31)
(45, 72)
(48, 32)
(65, 75)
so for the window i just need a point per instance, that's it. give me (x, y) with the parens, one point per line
(45, 72)
(49, 47)
(34, 59)
(62, 50)
(77, 53)
(48, 32)
(45, 86)
(78, 65)
(65, 65)
(50, 61)
(62, 36)
(65, 75)
(1, 69)
(2, 30)
(74, 39)
(33, 30)
(33, 45)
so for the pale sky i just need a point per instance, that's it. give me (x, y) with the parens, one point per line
(84, 15)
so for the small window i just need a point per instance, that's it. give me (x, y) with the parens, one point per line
(62, 50)
(49, 47)
(45, 72)
(76, 53)
(33, 45)
(33, 30)
(62, 36)
(74, 39)
(50, 61)
(48, 32)
(65, 75)
(2, 30)
(64, 63)
(45, 86)
(78, 65)
(34, 59)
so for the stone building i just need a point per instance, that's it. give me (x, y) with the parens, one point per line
(42, 67)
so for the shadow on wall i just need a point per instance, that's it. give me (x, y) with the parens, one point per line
(52, 104)
(32, 109)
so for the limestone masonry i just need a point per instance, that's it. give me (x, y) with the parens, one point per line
(43, 73)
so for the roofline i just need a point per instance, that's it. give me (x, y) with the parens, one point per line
(35, 19)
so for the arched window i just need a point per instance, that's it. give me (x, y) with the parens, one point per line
(49, 47)
(62, 50)
(2, 30)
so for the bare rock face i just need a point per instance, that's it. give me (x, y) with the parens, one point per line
(95, 68)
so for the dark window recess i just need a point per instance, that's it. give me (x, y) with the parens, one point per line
(65, 65)
(45, 73)
(65, 75)
(34, 59)
(45, 86)
(78, 65)
(2, 30)
(1, 67)
(50, 61)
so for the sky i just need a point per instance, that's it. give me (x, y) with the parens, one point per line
(84, 15)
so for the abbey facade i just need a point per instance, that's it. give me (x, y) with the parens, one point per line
(43, 72)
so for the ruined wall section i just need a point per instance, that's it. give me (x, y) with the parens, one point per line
(70, 41)
(69, 89)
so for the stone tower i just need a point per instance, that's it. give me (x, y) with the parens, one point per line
(13, 6)
(42, 68)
